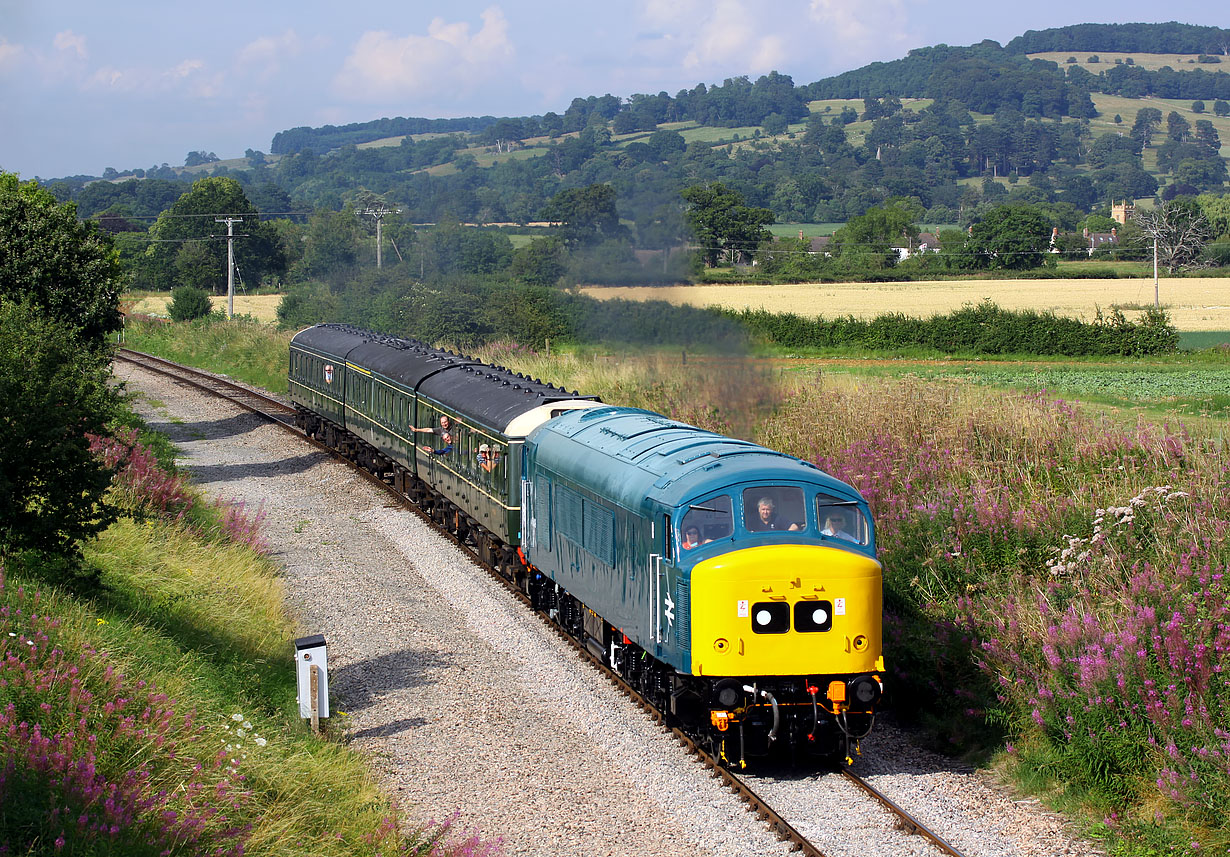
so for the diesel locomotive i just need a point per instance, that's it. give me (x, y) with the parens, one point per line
(735, 587)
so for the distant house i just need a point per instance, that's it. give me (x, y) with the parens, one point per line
(1098, 240)
(1090, 240)
(1122, 211)
(819, 245)
(927, 242)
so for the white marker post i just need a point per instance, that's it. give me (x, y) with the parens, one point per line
(312, 678)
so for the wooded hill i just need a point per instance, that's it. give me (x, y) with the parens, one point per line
(955, 129)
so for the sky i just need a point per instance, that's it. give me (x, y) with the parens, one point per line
(86, 85)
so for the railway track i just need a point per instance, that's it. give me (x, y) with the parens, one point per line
(283, 415)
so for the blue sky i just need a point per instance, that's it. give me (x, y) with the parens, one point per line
(86, 85)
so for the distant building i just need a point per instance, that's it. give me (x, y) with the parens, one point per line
(1122, 211)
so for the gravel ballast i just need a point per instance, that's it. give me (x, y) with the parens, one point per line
(465, 702)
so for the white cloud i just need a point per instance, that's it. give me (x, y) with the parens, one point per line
(266, 55)
(190, 77)
(853, 27)
(448, 58)
(12, 56)
(723, 38)
(69, 42)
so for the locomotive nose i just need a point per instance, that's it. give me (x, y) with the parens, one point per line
(787, 610)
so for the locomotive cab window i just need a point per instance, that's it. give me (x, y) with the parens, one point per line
(774, 507)
(841, 520)
(706, 521)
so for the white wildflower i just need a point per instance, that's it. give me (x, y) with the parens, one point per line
(260, 742)
(237, 717)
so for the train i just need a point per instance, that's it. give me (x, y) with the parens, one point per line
(735, 587)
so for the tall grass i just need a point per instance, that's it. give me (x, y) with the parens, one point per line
(240, 348)
(724, 394)
(155, 712)
(1056, 577)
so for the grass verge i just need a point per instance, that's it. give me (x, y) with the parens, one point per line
(148, 700)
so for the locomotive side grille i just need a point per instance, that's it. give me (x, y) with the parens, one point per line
(683, 616)
(568, 514)
(599, 531)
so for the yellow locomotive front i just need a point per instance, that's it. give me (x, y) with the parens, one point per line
(786, 633)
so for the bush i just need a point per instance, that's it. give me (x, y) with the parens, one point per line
(52, 391)
(188, 303)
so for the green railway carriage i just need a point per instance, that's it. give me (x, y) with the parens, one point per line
(388, 395)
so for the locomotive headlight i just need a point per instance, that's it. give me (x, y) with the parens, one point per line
(865, 691)
(728, 693)
(820, 616)
(763, 617)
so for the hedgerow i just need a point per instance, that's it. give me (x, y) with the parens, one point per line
(981, 329)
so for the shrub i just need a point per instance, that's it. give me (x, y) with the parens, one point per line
(188, 303)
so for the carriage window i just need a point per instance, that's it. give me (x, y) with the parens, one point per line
(840, 519)
(774, 507)
(706, 521)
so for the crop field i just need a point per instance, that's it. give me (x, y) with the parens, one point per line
(260, 307)
(1192, 303)
(1152, 62)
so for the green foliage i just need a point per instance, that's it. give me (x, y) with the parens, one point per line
(723, 224)
(449, 249)
(189, 245)
(586, 215)
(52, 391)
(67, 269)
(188, 303)
(1010, 237)
(981, 329)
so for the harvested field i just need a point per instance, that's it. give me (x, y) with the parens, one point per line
(260, 307)
(1192, 303)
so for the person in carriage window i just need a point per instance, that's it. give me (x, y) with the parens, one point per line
(835, 523)
(488, 458)
(445, 433)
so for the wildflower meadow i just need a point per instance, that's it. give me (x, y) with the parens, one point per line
(148, 707)
(1054, 577)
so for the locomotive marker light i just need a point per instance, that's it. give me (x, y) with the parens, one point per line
(312, 678)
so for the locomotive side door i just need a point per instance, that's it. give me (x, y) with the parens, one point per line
(662, 615)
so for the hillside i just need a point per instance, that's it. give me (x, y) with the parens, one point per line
(953, 128)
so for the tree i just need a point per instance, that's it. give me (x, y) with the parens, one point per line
(587, 215)
(192, 219)
(1010, 237)
(330, 247)
(723, 224)
(1177, 127)
(1148, 119)
(539, 263)
(53, 390)
(1216, 209)
(1197, 106)
(1180, 231)
(67, 269)
(1221, 108)
(872, 235)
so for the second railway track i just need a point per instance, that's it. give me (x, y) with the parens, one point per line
(282, 414)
